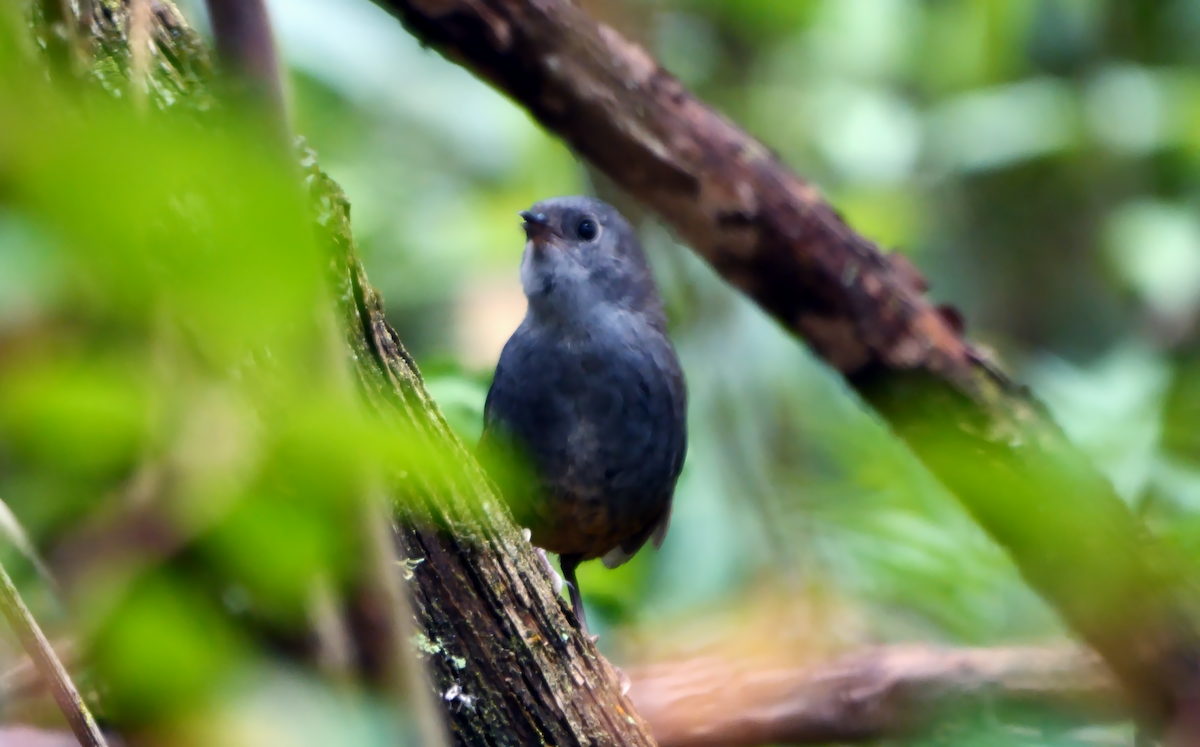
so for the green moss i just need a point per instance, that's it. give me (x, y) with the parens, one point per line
(179, 69)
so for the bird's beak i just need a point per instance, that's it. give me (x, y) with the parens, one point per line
(536, 226)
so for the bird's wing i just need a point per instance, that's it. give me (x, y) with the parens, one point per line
(676, 394)
(656, 530)
(488, 436)
(499, 400)
(660, 528)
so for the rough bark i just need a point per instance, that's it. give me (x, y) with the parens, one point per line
(772, 235)
(868, 695)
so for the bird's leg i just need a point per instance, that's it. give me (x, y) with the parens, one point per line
(569, 563)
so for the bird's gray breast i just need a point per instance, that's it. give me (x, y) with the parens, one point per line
(600, 415)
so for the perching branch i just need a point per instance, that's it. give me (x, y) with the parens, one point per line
(868, 695)
(39, 650)
(773, 236)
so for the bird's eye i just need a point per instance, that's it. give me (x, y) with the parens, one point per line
(587, 229)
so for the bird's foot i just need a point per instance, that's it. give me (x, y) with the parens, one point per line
(556, 581)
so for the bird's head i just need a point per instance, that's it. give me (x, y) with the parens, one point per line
(580, 256)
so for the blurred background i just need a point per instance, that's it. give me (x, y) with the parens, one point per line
(1039, 162)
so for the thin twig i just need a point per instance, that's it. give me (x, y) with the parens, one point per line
(12, 530)
(334, 643)
(39, 649)
(247, 54)
(140, 33)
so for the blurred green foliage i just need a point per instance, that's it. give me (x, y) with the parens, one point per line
(164, 320)
(177, 427)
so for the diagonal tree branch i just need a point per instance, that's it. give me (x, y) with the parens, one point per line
(771, 234)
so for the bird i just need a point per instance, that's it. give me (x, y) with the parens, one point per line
(585, 423)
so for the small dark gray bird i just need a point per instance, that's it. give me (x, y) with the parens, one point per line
(588, 399)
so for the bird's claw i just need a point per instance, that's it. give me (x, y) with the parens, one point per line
(556, 581)
(623, 681)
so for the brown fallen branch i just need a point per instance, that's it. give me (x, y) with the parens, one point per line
(771, 234)
(868, 695)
